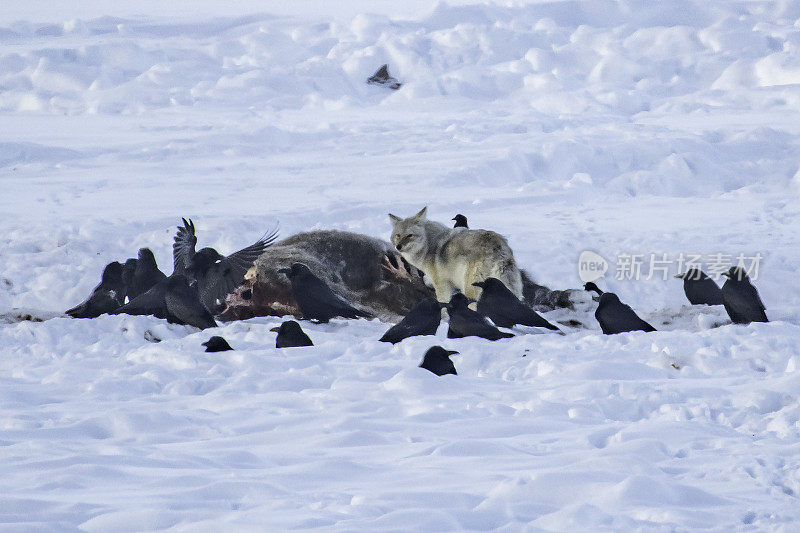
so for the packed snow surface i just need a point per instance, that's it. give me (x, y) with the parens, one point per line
(621, 127)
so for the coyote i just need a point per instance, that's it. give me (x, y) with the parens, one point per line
(454, 259)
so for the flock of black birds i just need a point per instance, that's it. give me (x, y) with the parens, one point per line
(192, 294)
(200, 281)
(738, 295)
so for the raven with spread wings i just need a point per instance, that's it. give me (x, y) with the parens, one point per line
(214, 274)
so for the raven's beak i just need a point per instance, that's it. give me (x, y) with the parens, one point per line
(479, 284)
(679, 276)
(453, 352)
(276, 329)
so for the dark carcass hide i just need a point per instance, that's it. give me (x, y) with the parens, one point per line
(365, 271)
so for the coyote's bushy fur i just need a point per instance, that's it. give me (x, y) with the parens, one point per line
(454, 258)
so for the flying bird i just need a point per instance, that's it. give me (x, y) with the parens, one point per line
(216, 275)
(461, 221)
(291, 335)
(217, 344)
(741, 299)
(183, 303)
(699, 288)
(316, 300)
(423, 319)
(464, 322)
(503, 307)
(614, 316)
(437, 360)
(106, 297)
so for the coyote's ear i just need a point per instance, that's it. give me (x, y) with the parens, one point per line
(394, 218)
(421, 214)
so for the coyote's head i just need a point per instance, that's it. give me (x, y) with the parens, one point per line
(408, 234)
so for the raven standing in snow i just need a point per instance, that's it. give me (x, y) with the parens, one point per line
(504, 309)
(217, 344)
(423, 319)
(699, 288)
(437, 360)
(741, 299)
(291, 335)
(464, 322)
(614, 316)
(106, 297)
(316, 300)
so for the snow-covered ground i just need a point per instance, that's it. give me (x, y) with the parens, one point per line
(630, 127)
